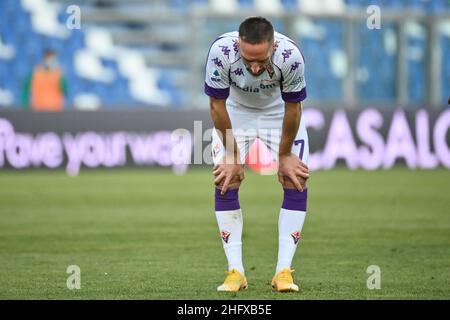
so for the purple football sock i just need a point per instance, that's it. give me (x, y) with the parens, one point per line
(228, 201)
(294, 199)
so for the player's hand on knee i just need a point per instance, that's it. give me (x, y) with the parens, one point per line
(228, 175)
(231, 173)
(298, 183)
(302, 182)
(291, 164)
(292, 171)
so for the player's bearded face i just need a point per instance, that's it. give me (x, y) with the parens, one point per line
(256, 57)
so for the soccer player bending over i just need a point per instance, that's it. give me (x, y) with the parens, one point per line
(255, 81)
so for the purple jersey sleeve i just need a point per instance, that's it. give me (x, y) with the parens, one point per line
(217, 83)
(293, 84)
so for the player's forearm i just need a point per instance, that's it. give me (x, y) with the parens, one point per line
(222, 123)
(291, 122)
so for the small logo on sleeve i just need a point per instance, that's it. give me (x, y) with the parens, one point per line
(215, 76)
(297, 81)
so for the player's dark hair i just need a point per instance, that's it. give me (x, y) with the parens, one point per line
(256, 30)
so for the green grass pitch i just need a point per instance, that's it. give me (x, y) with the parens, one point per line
(149, 234)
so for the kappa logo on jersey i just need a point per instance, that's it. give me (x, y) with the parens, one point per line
(217, 62)
(225, 50)
(286, 54)
(235, 46)
(238, 72)
(225, 235)
(270, 70)
(275, 47)
(294, 66)
(296, 236)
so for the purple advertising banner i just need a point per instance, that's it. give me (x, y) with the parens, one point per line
(360, 139)
(372, 139)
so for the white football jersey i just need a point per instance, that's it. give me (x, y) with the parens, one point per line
(228, 78)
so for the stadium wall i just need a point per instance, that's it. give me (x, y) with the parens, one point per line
(366, 138)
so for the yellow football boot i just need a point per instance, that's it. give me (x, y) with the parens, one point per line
(283, 281)
(234, 282)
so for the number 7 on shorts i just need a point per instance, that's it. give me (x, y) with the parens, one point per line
(302, 147)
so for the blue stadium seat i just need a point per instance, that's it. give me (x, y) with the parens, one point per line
(246, 3)
(290, 5)
(323, 85)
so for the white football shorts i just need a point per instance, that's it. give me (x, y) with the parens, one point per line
(249, 125)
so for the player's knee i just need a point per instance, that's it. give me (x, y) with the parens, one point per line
(234, 183)
(288, 184)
